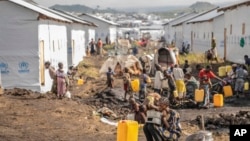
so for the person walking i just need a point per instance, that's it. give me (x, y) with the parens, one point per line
(126, 83)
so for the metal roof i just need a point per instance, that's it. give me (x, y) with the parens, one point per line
(100, 19)
(234, 5)
(206, 17)
(192, 17)
(152, 27)
(69, 16)
(179, 17)
(40, 10)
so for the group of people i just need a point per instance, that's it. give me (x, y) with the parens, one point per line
(95, 48)
(62, 81)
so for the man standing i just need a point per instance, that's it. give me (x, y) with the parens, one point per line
(99, 46)
(205, 76)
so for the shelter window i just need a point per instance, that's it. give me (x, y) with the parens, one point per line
(243, 28)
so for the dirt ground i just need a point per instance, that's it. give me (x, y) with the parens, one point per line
(42, 117)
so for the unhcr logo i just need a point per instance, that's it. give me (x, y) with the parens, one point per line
(23, 67)
(4, 68)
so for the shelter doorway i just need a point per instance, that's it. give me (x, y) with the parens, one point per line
(42, 69)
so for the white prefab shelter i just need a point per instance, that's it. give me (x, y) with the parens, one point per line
(76, 32)
(30, 36)
(237, 31)
(105, 28)
(206, 27)
(183, 30)
(170, 33)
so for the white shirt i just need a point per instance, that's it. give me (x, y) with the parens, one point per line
(178, 74)
(158, 80)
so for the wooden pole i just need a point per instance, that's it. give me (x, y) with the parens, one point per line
(225, 44)
(202, 122)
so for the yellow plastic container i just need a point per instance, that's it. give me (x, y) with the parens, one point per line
(228, 68)
(135, 84)
(218, 100)
(222, 71)
(227, 91)
(199, 95)
(175, 94)
(127, 130)
(80, 82)
(246, 86)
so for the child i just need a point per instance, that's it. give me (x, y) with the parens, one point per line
(126, 82)
(110, 78)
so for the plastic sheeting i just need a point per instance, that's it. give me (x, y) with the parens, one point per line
(124, 61)
(20, 43)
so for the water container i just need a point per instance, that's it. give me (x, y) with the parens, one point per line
(218, 100)
(222, 71)
(80, 82)
(227, 91)
(199, 95)
(175, 94)
(127, 130)
(246, 86)
(201, 136)
(228, 68)
(135, 85)
(154, 117)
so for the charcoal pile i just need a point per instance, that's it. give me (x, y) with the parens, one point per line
(224, 120)
(18, 92)
(112, 99)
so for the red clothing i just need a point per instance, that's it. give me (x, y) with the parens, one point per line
(206, 76)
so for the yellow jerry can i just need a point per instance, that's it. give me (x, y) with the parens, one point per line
(135, 85)
(199, 95)
(80, 82)
(246, 86)
(222, 71)
(127, 130)
(227, 91)
(218, 100)
(228, 68)
(175, 94)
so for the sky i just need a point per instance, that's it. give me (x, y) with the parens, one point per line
(126, 3)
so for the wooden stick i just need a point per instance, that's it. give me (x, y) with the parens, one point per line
(202, 122)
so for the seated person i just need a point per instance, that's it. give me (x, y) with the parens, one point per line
(170, 120)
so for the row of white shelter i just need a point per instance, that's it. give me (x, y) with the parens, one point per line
(31, 34)
(229, 25)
